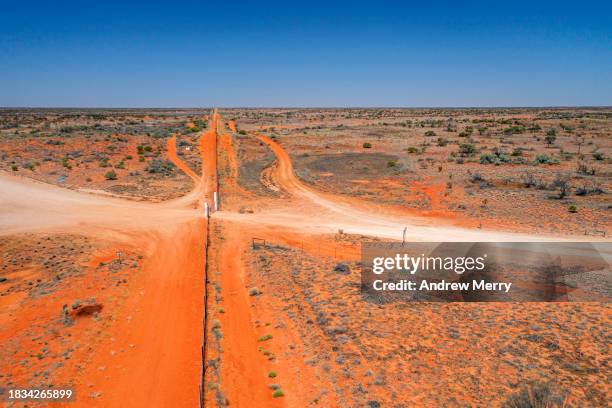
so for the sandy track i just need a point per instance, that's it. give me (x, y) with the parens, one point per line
(172, 154)
(154, 356)
(317, 212)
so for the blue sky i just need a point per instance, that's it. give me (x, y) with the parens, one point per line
(384, 53)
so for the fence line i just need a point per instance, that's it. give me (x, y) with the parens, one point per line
(205, 311)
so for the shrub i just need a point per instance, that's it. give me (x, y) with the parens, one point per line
(442, 142)
(158, 166)
(110, 175)
(243, 132)
(562, 183)
(516, 129)
(253, 292)
(595, 189)
(545, 159)
(14, 167)
(529, 180)
(466, 149)
(572, 209)
(144, 148)
(265, 337)
(584, 169)
(271, 374)
(367, 145)
(598, 156)
(28, 165)
(430, 133)
(412, 150)
(391, 163)
(476, 178)
(487, 158)
(497, 157)
(278, 393)
(550, 137)
(517, 152)
(66, 163)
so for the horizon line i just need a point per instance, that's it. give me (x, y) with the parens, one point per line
(313, 107)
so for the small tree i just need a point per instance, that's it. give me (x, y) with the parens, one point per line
(562, 183)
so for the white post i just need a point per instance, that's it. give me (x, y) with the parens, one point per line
(216, 201)
(206, 210)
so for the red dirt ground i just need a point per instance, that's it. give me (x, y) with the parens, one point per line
(276, 309)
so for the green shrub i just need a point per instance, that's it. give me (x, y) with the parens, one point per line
(271, 374)
(497, 157)
(516, 129)
(265, 337)
(110, 175)
(66, 163)
(367, 145)
(158, 166)
(412, 149)
(391, 163)
(487, 158)
(467, 149)
(242, 132)
(430, 133)
(572, 209)
(545, 159)
(278, 393)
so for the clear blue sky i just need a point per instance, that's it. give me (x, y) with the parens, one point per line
(331, 53)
